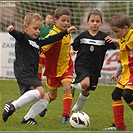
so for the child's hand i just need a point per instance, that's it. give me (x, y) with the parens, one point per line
(111, 40)
(10, 28)
(72, 52)
(71, 29)
(114, 77)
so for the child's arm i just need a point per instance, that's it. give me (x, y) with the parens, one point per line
(72, 52)
(118, 72)
(56, 37)
(16, 34)
(111, 40)
(10, 28)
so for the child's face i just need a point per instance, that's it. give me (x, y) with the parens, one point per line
(63, 22)
(94, 22)
(33, 29)
(120, 32)
(49, 19)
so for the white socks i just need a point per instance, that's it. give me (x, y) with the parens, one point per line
(77, 86)
(80, 102)
(26, 98)
(36, 109)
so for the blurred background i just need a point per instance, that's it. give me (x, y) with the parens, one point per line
(14, 12)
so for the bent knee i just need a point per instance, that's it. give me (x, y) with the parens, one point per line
(85, 85)
(128, 95)
(117, 93)
(41, 90)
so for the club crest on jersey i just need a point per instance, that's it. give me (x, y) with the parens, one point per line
(91, 48)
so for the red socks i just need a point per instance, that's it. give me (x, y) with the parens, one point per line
(67, 102)
(118, 110)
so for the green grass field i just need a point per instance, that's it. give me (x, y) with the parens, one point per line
(98, 107)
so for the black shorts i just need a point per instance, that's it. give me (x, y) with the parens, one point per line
(81, 73)
(26, 83)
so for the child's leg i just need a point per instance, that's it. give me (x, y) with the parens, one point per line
(77, 86)
(67, 101)
(118, 109)
(128, 97)
(80, 102)
(67, 98)
(26, 98)
(36, 109)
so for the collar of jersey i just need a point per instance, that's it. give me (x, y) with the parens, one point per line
(56, 29)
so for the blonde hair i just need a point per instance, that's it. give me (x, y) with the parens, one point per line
(30, 17)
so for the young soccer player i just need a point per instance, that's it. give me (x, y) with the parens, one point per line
(121, 26)
(91, 46)
(59, 64)
(27, 50)
(46, 28)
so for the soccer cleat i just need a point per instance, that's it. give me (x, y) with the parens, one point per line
(30, 121)
(42, 114)
(112, 128)
(8, 110)
(65, 120)
(73, 91)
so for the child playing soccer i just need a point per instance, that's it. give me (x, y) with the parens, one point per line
(121, 26)
(91, 46)
(27, 50)
(59, 64)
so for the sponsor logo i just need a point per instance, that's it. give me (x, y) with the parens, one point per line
(33, 44)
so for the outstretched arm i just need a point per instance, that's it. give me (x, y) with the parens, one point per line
(16, 34)
(56, 37)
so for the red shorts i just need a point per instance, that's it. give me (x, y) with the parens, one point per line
(128, 85)
(56, 82)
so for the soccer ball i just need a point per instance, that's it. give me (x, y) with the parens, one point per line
(79, 120)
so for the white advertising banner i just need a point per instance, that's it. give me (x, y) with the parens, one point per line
(110, 62)
(7, 55)
(110, 65)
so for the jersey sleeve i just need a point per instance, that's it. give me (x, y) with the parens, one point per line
(76, 43)
(111, 45)
(52, 39)
(18, 36)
